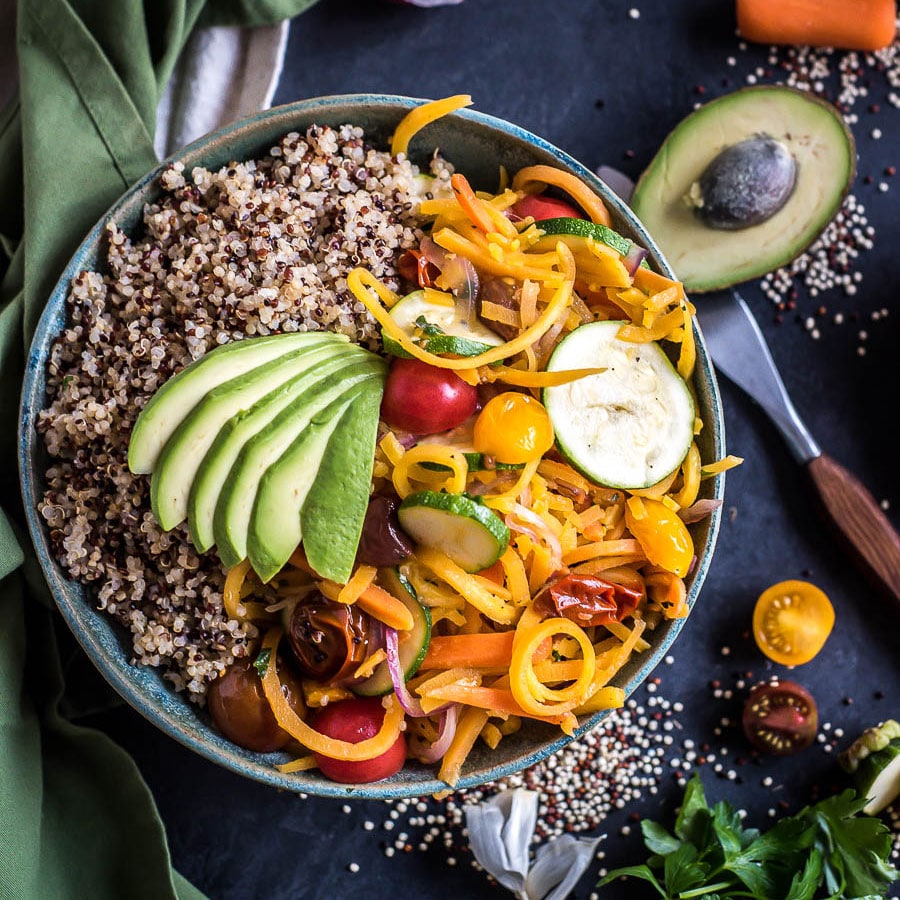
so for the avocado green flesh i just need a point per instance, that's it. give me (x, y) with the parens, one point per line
(274, 530)
(216, 464)
(234, 506)
(706, 258)
(469, 533)
(184, 452)
(412, 644)
(629, 426)
(180, 394)
(335, 508)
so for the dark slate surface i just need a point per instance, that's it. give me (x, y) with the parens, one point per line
(605, 87)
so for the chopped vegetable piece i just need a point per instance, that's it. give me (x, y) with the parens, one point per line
(780, 718)
(792, 621)
(587, 600)
(861, 25)
(471, 534)
(874, 761)
(513, 428)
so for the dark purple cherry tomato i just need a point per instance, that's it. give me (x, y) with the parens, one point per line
(239, 708)
(424, 399)
(330, 640)
(354, 721)
(383, 542)
(540, 207)
(780, 718)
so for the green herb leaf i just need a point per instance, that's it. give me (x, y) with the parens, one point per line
(427, 328)
(828, 847)
(805, 883)
(693, 822)
(261, 663)
(642, 872)
(658, 839)
(682, 871)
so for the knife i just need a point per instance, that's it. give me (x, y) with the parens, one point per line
(739, 351)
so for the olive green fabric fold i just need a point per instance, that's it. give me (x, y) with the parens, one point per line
(76, 817)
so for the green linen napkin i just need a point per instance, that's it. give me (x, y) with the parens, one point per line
(76, 819)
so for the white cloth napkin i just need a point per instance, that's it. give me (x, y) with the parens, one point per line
(223, 73)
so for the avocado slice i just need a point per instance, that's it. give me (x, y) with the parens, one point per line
(179, 395)
(215, 466)
(333, 514)
(234, 506)
(665, 198)
(275, 525)
(185, 450)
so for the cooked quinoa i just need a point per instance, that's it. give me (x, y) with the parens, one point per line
(258, 247)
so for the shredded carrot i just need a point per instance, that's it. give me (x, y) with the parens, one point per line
(860, 25)
(467, 730)
(416, 119)
(385, 607)
(481, 650)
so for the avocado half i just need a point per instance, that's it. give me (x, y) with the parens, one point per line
(706, 258)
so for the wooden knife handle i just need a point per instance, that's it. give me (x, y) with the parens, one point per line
(859, 521)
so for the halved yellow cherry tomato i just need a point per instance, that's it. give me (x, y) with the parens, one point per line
(663, 537)
(792, 621)
(513, 428)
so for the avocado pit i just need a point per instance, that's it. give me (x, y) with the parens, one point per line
(745, 185)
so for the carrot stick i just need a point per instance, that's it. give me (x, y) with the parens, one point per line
(473, 650)
(385, 607)
(860, 25)
(474, 208)
(489, 698)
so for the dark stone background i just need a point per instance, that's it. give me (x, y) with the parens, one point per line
(606, 88)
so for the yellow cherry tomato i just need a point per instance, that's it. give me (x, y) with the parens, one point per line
(792, 621)
(663, 537)
(513, 428)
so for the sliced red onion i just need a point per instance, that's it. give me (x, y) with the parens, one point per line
(446, 733)
(699, 511)
(411, 706)
(437, 256)
(635, 256)
(460, 277)
(527, 522)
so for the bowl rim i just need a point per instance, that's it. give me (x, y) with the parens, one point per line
(81, 616)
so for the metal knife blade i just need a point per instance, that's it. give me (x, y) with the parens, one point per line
(739, 351)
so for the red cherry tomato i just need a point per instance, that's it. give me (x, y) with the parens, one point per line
(780, 718)
(354, 721)
(424, 399)
(540, 207)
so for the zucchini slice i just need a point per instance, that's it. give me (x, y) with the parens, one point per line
(467, 531)
(438, 327)
(413, 644)
(584, 228)
(629, 426)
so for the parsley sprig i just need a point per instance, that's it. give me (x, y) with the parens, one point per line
(825, 850)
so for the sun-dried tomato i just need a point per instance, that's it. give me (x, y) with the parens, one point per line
(413, 266)
(587, 600)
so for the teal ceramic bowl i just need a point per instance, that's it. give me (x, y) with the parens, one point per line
(477, 145)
